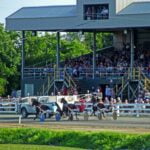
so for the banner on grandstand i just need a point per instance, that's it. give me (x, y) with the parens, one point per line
(69, 99)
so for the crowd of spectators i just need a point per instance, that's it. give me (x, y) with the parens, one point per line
(109, 98)
(107, 95)
(109, 62)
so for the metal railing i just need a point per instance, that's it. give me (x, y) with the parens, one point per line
(69, 80)
(60, 75)
(96, 16)
(85, 72)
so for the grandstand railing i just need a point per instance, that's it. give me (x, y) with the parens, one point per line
(52, 78)
(41, 73)
(139, 76)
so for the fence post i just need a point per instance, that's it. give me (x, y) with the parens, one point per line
(118, 111)
(20, 119)
(16, 106)
(137, 110)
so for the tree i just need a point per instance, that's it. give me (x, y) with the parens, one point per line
(40, 51)
(9, 58)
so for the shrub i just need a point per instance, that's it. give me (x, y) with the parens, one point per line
(87, 140)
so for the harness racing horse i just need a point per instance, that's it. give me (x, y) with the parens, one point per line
(102, 110)
(68, 109)
(40, 108)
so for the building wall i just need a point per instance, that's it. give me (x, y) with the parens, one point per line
(121, 4)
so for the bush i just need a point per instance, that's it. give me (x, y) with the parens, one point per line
(87, 140)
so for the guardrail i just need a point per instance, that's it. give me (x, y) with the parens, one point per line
(122, 109)
(9, 107)
(132, 109)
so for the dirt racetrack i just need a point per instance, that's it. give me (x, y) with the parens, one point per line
(124, 124)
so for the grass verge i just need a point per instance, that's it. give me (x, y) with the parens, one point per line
(33, 147)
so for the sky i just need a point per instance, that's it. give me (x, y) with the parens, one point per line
(7, 7)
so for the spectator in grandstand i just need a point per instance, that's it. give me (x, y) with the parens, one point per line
(64, 90)
(126, 101)
(106, 101)
(147, 101)
(119, 100)
(147, 95)
(75, 72)
(88, 13)
(75, 92)
(104, 12)
(59, 93)
(99, 92)
(93, 89)
(108, 92)
(135, 101)
(114, 101)
(111, 100)
(88, 98)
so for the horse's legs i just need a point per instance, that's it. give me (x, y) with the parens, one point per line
(36, 115)
(45, 114)
(76, 116)
(103, 113)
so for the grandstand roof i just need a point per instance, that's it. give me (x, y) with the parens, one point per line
(122, 14)
(137, 8)
(45, 11)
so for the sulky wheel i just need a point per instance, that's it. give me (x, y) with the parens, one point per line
(114, 115)
(86, 116)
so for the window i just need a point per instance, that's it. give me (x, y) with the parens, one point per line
(96, 12)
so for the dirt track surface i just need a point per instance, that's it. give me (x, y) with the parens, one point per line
(125, 124)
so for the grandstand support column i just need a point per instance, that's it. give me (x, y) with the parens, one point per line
(132, 53)
(94, 53)
(58, 51)
(23, 55)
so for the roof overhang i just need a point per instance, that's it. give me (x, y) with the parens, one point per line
(68, 18)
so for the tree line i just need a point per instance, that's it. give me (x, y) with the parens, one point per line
(40, 50)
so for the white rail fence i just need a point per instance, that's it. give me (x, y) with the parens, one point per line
(9, 107)
(131, 109)
(121, 109)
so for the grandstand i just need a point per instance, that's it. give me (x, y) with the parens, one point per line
(124, 67)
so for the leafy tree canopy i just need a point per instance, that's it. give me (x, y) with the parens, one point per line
(9, 58)
(39, 51)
